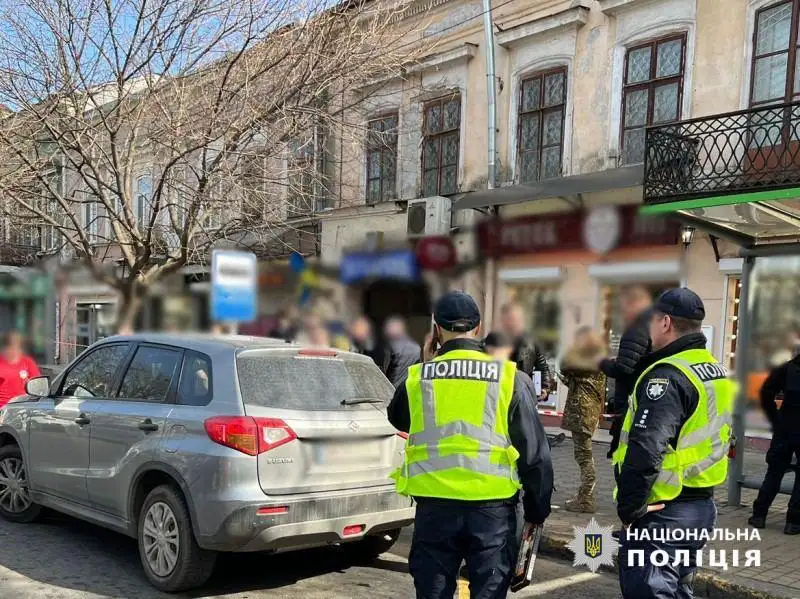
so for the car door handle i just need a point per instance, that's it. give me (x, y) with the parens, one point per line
(148, 426)
(82, 420)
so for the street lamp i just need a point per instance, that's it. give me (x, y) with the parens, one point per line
(687, 236)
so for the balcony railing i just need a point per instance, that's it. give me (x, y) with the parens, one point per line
(738, 152)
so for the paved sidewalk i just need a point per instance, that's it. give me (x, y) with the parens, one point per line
(778, 575)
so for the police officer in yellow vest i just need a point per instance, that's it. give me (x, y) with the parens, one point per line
(474, 440)
(672, 452)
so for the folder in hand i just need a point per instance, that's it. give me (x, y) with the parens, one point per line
(526, 559)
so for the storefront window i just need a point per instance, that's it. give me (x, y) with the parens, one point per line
(93, 322)
(775, 305)
(734, 290)
(542, 307)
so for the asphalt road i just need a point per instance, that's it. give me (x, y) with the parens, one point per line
(61, 558)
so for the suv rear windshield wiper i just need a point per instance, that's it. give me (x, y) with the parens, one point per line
(359, 400)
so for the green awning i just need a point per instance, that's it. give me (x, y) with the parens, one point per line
(725, 200)
(749, 218)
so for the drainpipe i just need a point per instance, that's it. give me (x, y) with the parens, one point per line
(491, 97)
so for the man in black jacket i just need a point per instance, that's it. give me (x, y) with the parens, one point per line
(527, 354)
(783, 382)
(481, 531)
(399, 351)
(634, 345)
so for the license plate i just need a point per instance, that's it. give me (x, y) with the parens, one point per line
(364, 453)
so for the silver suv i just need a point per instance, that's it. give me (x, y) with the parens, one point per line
(195, 444)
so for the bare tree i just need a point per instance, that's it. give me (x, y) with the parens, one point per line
(143, 132)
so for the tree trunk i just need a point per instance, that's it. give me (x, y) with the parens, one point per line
(130, 304)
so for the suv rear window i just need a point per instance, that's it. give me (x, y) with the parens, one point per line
(306, 383)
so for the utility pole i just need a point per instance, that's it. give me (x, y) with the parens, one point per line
(491, 105)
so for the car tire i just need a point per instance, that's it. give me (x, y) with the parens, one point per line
(170, 555)
(371, 546)
(13, 471)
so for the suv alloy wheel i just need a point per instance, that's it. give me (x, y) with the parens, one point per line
(16, 504)
(170, 555)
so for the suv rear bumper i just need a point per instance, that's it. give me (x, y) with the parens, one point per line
(310, 522)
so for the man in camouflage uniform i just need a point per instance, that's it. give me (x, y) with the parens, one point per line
(585, 398)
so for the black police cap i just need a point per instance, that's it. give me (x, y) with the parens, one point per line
(682, 303)
(456, 311)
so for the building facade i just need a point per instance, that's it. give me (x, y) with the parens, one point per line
(579, 82)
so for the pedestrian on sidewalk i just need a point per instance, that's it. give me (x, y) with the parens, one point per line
(16, 367)
(399, 351)
(673, 451)
(782, 383)
(527, 354)
(586, 392)
(474, 436)
(634, 345)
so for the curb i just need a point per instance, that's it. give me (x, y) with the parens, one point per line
(706, 584)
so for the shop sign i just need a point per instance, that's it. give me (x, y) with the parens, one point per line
(436, 253)
(401, 265)
(234, 283)
(269, 279)
(600, 230)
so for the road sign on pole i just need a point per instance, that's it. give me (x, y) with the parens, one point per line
(234, 286)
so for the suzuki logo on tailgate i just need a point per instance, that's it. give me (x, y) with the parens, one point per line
(353, 426)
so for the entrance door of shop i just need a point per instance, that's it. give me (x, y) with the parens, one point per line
(385, 298)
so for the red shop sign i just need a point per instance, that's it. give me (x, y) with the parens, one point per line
(600, 230)
(436, 253)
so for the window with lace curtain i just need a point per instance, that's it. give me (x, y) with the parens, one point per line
(652, 90)
(440, 147)
(542, 105)
(382, 159)
(775, 77)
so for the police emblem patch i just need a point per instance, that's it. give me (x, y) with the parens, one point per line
(656, 388)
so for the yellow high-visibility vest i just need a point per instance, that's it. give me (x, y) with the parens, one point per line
(700, 456)
(458, 445)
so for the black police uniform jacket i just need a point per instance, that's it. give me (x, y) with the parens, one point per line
(658, 424)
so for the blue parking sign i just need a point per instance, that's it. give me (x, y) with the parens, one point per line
(234, 286)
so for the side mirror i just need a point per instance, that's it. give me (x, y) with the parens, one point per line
(38, 387)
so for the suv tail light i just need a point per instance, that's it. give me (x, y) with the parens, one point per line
(251, 436)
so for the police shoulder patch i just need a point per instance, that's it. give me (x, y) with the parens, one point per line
(656, 388)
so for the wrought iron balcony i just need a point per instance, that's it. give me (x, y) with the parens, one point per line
(740, 152)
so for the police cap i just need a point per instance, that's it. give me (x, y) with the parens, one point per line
(456, 311)
(681, 303)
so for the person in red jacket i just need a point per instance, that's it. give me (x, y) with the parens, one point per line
(16, 368)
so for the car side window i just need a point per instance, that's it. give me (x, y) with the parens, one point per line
(94, 375)
(195, 387)
(150, 374)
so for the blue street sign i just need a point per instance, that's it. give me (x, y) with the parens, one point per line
(400, 264)
(234, 286)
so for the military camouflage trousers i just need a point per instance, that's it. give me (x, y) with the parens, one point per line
(583, 456)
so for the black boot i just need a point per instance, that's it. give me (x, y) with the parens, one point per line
(757, 521)
(791, 529)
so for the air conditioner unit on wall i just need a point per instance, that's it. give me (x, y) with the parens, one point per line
(429, 216)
